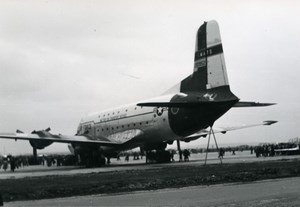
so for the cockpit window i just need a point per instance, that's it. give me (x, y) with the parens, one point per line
(79, 129)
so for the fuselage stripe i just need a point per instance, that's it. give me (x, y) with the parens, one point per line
(125, 117)
(214, 50)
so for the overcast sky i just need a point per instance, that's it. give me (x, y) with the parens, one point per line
(62, 59)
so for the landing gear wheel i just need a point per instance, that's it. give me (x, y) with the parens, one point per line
(159, 156)
(163, 156)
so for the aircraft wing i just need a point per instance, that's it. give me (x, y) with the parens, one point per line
(114, 139)
(224, 130)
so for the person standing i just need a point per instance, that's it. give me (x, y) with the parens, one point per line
(12, 164)
(5, 164)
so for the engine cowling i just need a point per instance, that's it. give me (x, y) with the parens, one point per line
(40, 144)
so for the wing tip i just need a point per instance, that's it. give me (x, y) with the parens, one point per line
(269, 122)
(252, 104)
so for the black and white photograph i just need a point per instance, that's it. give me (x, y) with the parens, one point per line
(149, 103)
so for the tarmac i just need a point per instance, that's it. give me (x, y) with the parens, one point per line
(278, 192)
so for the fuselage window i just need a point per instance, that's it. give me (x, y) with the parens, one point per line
(122, 126)
(141, 123)
(134, 124)
(154, 115)
(146, 122)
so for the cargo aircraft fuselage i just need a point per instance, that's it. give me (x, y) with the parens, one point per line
(181, 113)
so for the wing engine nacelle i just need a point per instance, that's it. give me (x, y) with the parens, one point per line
(188, 139)
(40, 144)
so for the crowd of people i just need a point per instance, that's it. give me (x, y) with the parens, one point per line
(266, 150)
(13, 163)
(270, 150)
(57, 160)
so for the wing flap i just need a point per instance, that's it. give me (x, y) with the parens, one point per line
(58, 138)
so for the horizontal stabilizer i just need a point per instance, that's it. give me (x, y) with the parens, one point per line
(252, 104)
(183, 104)
(224, 130)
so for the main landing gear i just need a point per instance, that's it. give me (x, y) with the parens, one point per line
(158, 156)
(92, 159)
(156, 153)
(179, 150)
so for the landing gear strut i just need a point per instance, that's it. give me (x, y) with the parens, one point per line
(34, 152)
(211, 131)
(179, 150)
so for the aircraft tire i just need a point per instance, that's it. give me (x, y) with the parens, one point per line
(163, 156)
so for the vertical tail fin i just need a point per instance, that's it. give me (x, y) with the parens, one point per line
(209, 64)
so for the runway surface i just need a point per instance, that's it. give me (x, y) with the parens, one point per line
(275, 193)
(279, 192)
(121, 165)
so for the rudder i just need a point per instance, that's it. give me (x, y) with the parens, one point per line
(209, 64)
